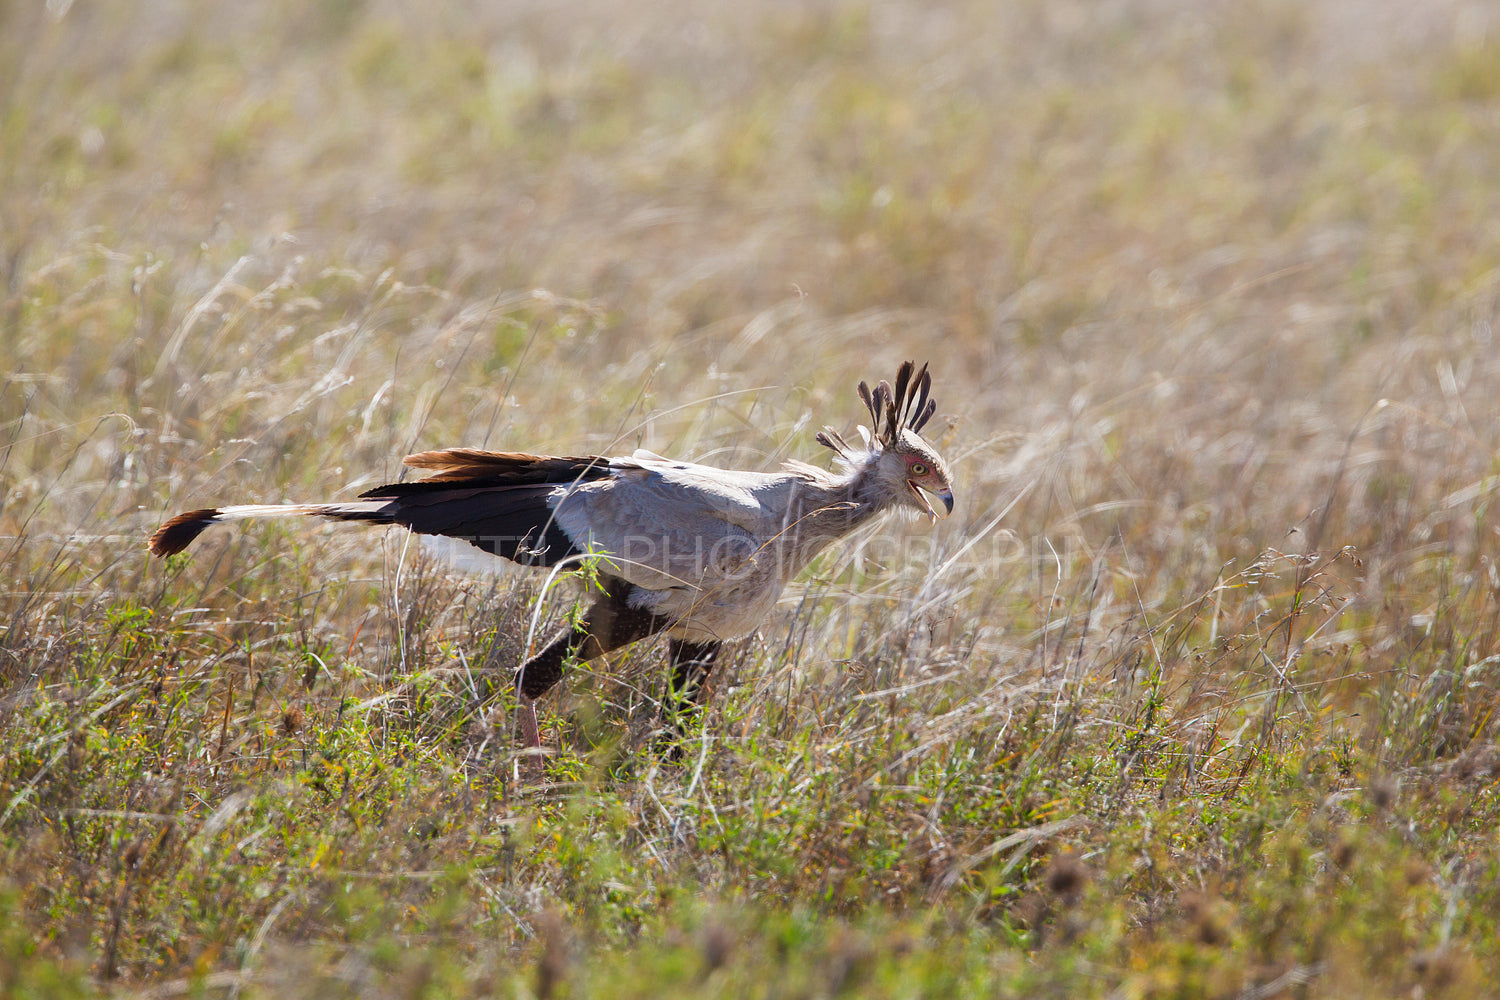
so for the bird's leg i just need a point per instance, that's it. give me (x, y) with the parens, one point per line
(533, 679)
(691, 664)
(607, 625)
(683, 700)
(537, 675)
(531, 735)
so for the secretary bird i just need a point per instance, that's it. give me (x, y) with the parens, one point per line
(694, 551)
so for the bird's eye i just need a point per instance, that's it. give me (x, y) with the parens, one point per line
(918, 469)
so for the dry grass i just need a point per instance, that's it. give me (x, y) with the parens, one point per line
(1194, 696)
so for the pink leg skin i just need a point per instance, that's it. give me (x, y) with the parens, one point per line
(531, 737)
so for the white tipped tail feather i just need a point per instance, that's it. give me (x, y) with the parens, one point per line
(178, 533)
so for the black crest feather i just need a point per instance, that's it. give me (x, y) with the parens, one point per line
(908, 404)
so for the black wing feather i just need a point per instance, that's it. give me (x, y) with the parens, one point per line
(495, 501)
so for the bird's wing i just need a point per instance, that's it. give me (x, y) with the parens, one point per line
(671, 525)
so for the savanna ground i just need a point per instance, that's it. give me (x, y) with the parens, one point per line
(1194, 695)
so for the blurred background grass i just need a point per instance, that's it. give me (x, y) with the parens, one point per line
(1208, 290)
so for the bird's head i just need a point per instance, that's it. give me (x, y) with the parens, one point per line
(904, 464)
(920, 470)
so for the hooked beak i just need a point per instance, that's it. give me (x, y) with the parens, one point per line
(944, 495)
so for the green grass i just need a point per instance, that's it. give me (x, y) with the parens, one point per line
(1194, 695)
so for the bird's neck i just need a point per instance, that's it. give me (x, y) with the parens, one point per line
(842, 502)
(825, 508)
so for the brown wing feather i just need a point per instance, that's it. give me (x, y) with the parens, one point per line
(510, 468)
